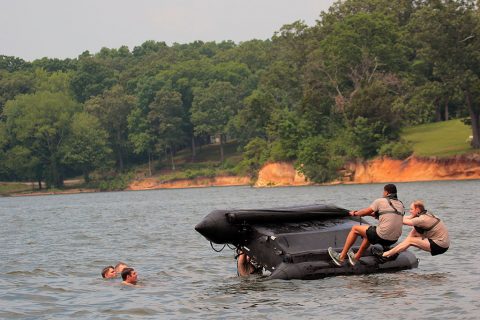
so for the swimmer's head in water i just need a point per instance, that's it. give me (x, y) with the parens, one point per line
(129, 275)
(120, 267)
(108, 272)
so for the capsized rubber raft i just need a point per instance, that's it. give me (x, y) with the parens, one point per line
(292, 242)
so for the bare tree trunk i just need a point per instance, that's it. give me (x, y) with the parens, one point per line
(475, 117)
(171, 158)
(56, 177)
(446, 108)
(221, 148)
(438, 111)
(86, 176)
(149, 163)
(194, 151)
(119, 152)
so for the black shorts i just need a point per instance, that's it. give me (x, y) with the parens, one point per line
(435, 249)
(373, 237)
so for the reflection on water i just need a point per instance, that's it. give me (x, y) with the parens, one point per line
(54, 247)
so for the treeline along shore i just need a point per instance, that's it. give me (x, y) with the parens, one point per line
(380, 170)
(282, 174)
(321, 97)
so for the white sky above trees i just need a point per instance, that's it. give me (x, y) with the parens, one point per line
(32, 29)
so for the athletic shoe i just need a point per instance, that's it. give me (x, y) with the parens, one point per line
(335, 257)
(376, 251)
(378, 254)
(351, 257)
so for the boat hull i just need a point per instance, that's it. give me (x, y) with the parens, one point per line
(292, 243)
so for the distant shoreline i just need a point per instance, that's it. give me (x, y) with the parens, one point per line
(283, 174)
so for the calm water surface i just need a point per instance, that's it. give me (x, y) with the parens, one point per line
(53, 249)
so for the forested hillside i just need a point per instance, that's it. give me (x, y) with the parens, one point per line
(317, 95)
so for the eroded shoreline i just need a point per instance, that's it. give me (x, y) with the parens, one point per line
(282, 174)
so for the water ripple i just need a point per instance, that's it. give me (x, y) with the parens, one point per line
(58, 245)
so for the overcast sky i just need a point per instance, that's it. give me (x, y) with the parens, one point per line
(32, 29)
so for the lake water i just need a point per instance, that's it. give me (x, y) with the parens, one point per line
(53, 249)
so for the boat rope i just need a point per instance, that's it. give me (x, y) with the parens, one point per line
(211, 244)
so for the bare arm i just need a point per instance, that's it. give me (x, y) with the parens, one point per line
(408, 220)
(243, 265)
(360, 213)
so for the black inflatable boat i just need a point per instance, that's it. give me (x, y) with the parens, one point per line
(291, 243)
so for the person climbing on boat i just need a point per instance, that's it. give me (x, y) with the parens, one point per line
(245, 267)
(429, 233)
(389, 211)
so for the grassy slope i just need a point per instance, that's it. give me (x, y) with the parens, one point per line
(440, 139)
(207, 163)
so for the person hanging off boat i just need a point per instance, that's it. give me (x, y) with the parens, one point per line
(389, 211)
(245, 266)
(429, 233)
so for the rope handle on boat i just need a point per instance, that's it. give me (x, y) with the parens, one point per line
(220, 250)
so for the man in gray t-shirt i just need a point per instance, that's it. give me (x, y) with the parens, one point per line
(389, 211)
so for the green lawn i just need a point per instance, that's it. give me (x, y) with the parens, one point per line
(440, 139)
(10, 187)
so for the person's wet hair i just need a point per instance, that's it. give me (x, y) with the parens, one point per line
(126, 272)
(390, 188)
(105, 270)
(120, 264)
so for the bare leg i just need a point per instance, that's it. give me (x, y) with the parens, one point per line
(362, 248)
(352, 236)
(418, 242)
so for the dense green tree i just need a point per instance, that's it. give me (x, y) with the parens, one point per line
(285, 131)
(112, 109)
(445, 35)
(52, 81)
(12, 64)
(253, 117)
(255, 154)
(321, 95)
(358, 48)
(141, 135)
(13, 84)
(55, 64)
(22, 164)
(91, 78)
(41, 122)
(165, 117)
(212, 110)
(254, 54)
(86, 147)
(316, 161)
(149, 47)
